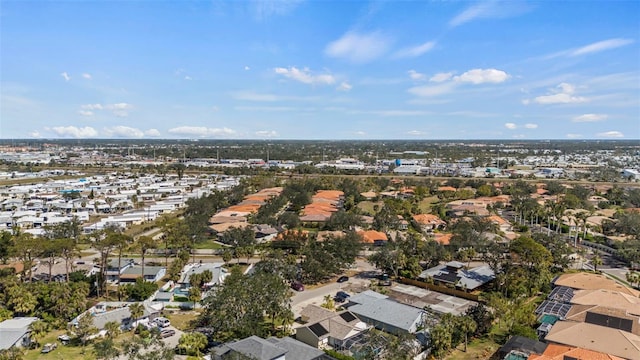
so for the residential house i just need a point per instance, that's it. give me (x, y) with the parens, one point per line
(376, 238)
(115, 269)
(562, 352)
(520, 347)
(257, 348)
(328, 329)
(595, 337)
(15, 332)
(590, 281)
(219, 273)
(385, 314)
(118, 312)
(151, 274)
(455, 274)
(429, 222)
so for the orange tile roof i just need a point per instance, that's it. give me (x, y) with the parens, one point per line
(370, 236)
(497, 219)
(443, 238)
(329, 194)
(425, 219)
(446, 188)
(560, 352)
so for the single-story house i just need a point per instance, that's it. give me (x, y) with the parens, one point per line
(151, 273)
(114, 269)
(455, 273)
(385, 314)
(15, 332)
(219, 273)
(257, 348)
(328, 329)
(118, 312)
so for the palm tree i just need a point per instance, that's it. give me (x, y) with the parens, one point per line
(468, 326)
(38, 329)
(633, 277)
(194, 295)
(137, 310)
(144, 244)
(596, 260)
(113, 329)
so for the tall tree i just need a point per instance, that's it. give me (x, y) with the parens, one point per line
(38, 329)
(144, 244)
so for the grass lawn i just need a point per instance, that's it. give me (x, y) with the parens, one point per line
(478, 349)
(425, 204)
(182, 320)
(63, 352)
(208, 244)
(367, 206)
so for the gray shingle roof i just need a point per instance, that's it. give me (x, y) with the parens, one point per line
(381, 309)
(12, 330)
(254, 347)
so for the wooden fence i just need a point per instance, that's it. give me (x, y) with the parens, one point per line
(440, 289)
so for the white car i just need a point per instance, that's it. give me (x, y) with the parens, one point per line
(162, 322)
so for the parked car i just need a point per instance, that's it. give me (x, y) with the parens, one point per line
(384, 280)
(342, 279)
(162, 322)
(47, 348)
(342, 294)
(297, 286)
(167, 333)
(64, 339)
(339, 299)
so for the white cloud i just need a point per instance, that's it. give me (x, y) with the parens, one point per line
(611, 134)
(590, 118)
(35, 134)
(249, 95)
(85, 112)
(574, 136)
(518, 136)
(246, 68)
(414, 75)
(531, 126)
(432, 90)
(187, 77)
(264, 9)
(92, 107)
(360, 133)
(392, 113)
(490, 10)
(266, 133)
(119, 109)
(415, 132)
(152, 133)
(415, 51)
(75, 132)
(87, 76)
(359, 48)
(440, 77)
(601, 46)
(305, 76)
(510, 126)
(481, 76)
(562, 94)
(201, 131)
(65, 76)
(121, 131)
(344, 86)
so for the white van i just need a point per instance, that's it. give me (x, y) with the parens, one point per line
(162, 322)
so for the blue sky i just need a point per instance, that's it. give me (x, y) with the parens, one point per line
(320, 69)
